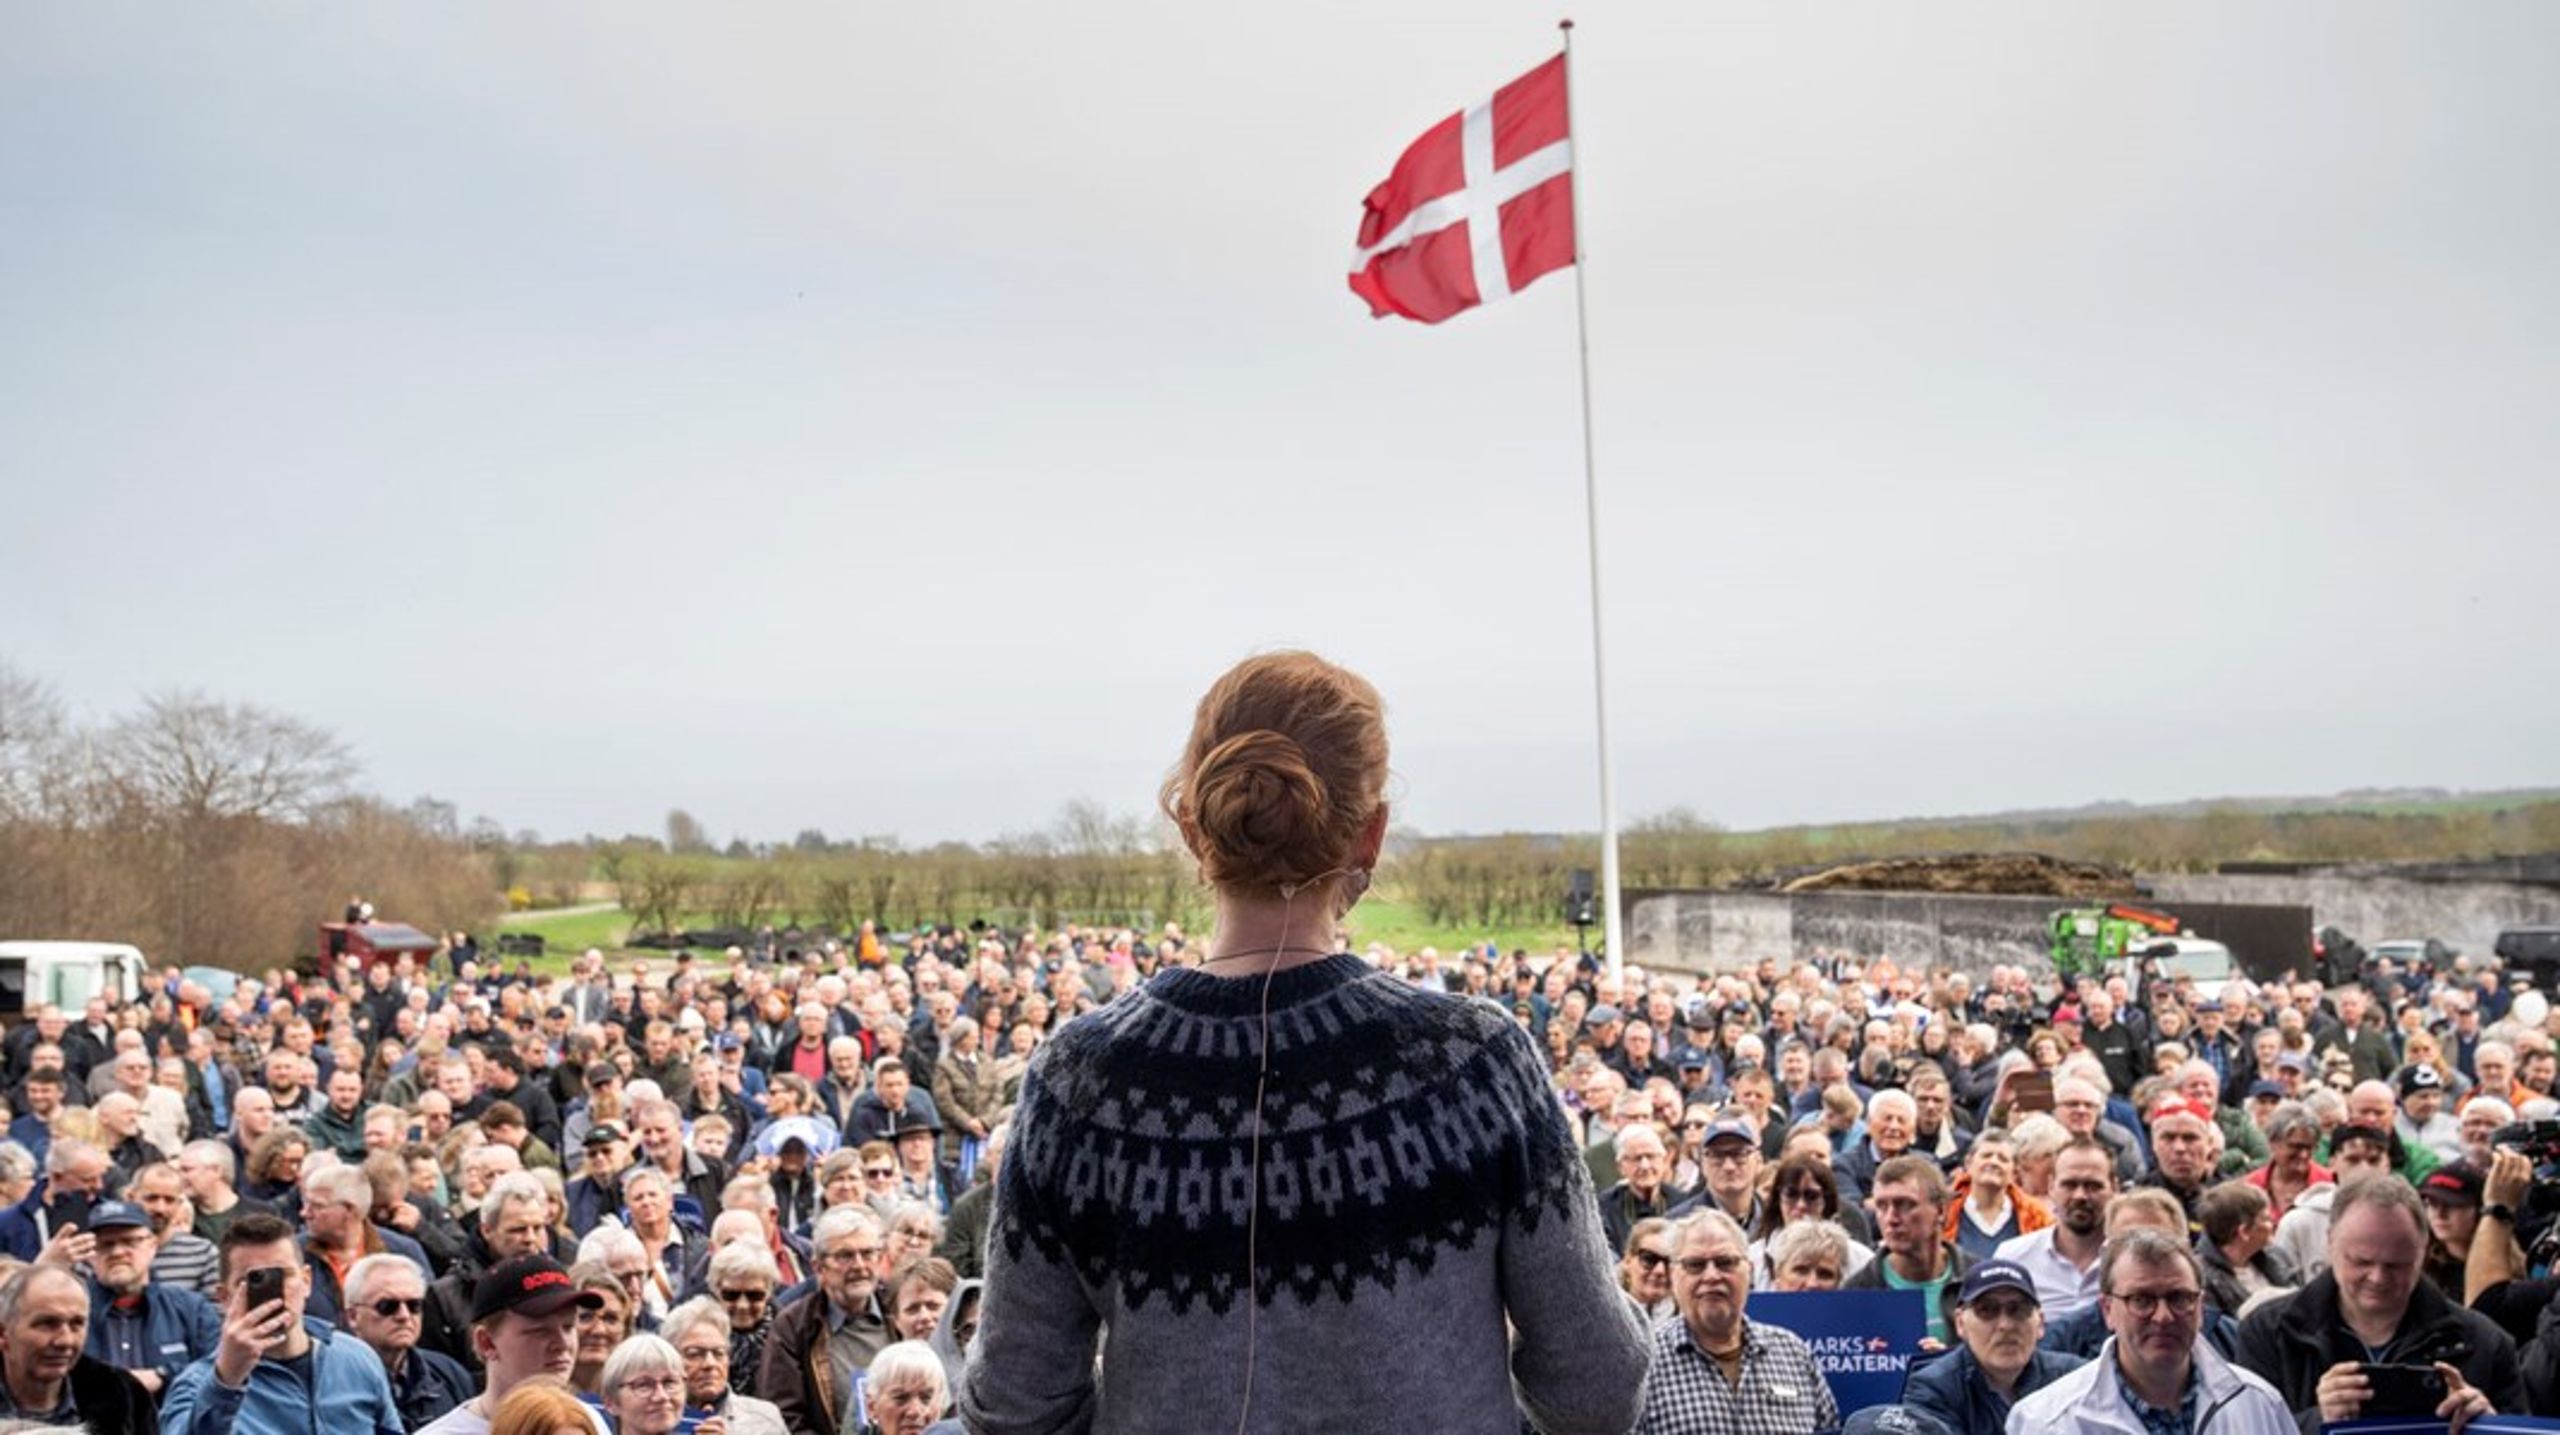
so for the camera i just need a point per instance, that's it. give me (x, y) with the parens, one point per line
(2537, 1139)
(2538, 1223)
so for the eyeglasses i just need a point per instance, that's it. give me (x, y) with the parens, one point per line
(2147, 1304)
(390, 1306)
(849, 1255)
(654, 1385)
(705, 1354)
(880, 1173)
(1739, 1156)
(745, 1297)
(1803, 1196)
(1694, 1266)
(2001, 1310)
(1650, 1260)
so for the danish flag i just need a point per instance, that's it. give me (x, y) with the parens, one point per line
(1477, 208)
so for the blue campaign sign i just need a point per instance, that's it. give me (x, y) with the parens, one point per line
(2481, 1426)
(1862, 1341)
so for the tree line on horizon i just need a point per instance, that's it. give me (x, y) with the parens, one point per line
(209, 831)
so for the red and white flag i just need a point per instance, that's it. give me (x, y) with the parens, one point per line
(1477, 208)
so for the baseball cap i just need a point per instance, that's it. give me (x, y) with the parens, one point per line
(1729, 1127)
(727, 1041)
(1603, 1014)
(2458, 1183)
(118, 1216)
(1689, 1058)
(2292, 1061)
(1893, 1420)
(604, 1131)
(2265, 1089)
(1996, 1275)
(2209, 1004)
(2420, 1078)
(529, 1285)
(2345, 1134)
(603, 1071)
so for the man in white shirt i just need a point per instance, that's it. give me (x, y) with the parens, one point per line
(2063, 1257)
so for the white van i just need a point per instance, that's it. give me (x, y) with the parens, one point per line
(2208, 964)
(66, 974)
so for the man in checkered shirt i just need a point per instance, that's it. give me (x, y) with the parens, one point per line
(1716, 1373)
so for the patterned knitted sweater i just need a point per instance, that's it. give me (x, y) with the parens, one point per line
(1419, 1189)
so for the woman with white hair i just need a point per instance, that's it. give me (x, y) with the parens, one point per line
(643, 1387)
(699, 1331)
(620, 1252)
(903, 1392)
(744, 1279)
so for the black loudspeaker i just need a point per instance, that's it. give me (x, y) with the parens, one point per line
(1581, 908)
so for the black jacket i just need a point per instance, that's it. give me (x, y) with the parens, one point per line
(2222, 1281)
(2294, 1339)
(111, 1402)
(1953, 1388)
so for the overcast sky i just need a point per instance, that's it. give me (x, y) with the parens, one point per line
(888, 419)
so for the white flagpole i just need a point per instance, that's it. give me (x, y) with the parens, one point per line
(1612, 927)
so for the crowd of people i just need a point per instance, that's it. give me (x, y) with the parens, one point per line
(754, 1191)
(1105, 1179)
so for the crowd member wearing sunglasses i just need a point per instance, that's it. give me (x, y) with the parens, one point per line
(1998, 1320)
(385, 1305)
(1645, 1271)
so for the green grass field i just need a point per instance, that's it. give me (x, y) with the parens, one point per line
(1377, 919)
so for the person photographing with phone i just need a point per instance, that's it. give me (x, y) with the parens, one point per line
(276, 1372)
(2370, 1336)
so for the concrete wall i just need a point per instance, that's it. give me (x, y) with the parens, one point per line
(2374, 908)
(1719, 931)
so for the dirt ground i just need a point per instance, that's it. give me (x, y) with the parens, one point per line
(2023, 874)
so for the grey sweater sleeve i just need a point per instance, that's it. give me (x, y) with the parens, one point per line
(1031, 1365)
(1579, 1354)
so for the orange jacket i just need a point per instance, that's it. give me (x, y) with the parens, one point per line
(2033, 1215)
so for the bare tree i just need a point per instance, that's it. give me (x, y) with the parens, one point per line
(31, 728)
(685, 833)
(197, 759)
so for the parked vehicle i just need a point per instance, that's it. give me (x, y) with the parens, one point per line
(372, 942)
(2411, 954)
(2532, 953)
(66, 974)
(2209, 965)
(2089, 941)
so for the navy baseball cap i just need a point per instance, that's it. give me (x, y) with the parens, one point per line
(1689, 1058)
(118, 1216)
(1996, 1275)
(1732, 1128)
(2266, 1089)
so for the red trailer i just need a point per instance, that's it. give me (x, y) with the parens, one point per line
(372, 942)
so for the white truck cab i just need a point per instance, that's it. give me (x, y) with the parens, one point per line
(2208, 964)
(66, 974)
